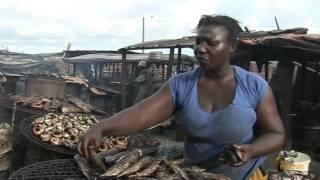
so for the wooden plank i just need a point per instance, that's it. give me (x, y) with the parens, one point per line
(95, 72)
(123, 80)
(179, 61)
(74, 69)
(101, 67)
(170, 62)
(287, 94)
(162, 66)
(266, 71)
(46, 87)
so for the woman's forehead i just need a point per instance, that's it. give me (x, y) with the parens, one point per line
(211, 31)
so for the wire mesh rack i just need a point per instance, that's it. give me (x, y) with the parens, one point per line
(26, 130)
(60, 169)
(3, 175)
(7, 102)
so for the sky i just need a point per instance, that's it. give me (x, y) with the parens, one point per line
(47, 26)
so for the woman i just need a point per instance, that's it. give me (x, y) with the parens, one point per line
(219, 104)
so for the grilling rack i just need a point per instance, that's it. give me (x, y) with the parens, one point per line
(26, 130)
(60, 169)
(8, 103)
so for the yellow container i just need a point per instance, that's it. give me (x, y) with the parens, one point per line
(300, 163)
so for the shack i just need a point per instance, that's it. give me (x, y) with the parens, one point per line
(108, 70)
(295, 53)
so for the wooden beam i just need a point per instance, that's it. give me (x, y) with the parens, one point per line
(179, 61)
(95, 72)
(113, 70)
(74, 69)
(278, 27)
(266, 71)
(162, 66)
(101, 67)
(317, 82)
(123, 80)
(170, 62)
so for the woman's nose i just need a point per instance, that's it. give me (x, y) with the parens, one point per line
(201, 47)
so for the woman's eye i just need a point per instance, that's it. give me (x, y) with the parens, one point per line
(210, 43)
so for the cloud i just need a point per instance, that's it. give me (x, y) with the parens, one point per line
(46, 26)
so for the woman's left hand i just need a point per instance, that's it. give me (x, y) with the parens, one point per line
(243, 152)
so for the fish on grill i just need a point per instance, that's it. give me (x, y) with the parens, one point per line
(144, 161)
(110, 159)
(83, 165)
(148, 171)
(178, 170)
(84, 107)
(196, 172)
(123, 164)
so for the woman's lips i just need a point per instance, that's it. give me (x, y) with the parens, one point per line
(202, 60)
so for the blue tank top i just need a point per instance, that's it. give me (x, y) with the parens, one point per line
(207, 133)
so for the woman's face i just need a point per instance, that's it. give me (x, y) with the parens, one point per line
(213, 47)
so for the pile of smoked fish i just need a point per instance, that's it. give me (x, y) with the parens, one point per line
(66, 105)
(140, 163)
(65, 129)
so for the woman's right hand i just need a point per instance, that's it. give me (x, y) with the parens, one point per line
(91, 139)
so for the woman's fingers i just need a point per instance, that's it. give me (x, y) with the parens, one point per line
(79, 148)
(233, 155)
(84, 144)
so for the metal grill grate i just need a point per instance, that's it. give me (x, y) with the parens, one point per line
(8, 103)
(26, 130)
(49, 170)
(3, 174)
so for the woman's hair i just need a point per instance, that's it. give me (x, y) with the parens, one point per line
(232, 25)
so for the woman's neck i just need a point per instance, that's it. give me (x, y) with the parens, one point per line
(218, 74)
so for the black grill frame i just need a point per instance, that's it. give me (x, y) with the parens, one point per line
(9, 103)
(26, 130)
(49, 170)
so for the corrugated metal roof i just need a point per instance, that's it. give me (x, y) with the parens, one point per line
(110, 58)
(188, 41)
(185, 42)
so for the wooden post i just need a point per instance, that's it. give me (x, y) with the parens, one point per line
(123, 80)
(278, 27)
(95, 72)
(74, 69)
(101, 67)
(303, 77)
(170, 62)
(266, 71)
(179, 61)
(113, 70)
(287, 69)
(317, 83)
(162, 66)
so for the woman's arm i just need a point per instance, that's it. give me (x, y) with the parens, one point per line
(143, 115)
(269, 131)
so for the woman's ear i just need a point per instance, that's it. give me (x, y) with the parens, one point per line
(233, 46)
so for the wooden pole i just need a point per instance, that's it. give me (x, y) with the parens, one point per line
(74, 69)
(275, 18)
(170, 62)
(95, 72)
(123, 80)
(101, 67)
(266, 71)
(179, 61)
